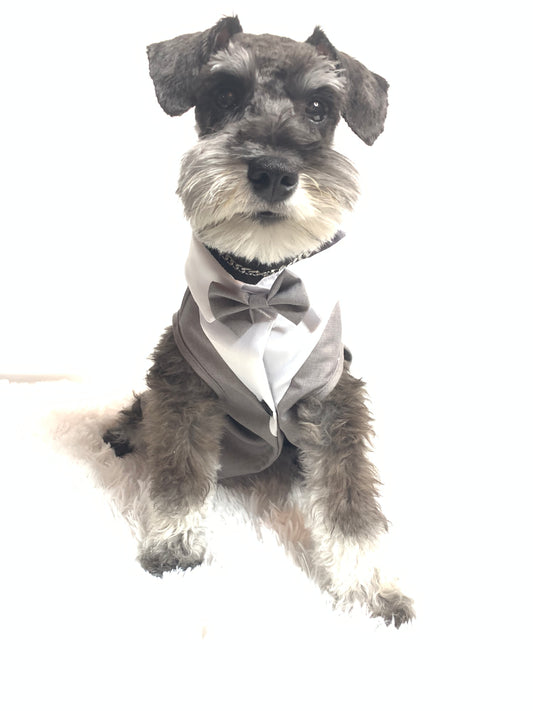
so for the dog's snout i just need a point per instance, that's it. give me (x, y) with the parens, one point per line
(272, 179)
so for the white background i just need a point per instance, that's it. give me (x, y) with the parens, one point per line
(437, 307)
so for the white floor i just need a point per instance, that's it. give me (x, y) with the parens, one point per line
(84, 627)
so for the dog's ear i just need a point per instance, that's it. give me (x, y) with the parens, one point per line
(175, 64)
(365, 106)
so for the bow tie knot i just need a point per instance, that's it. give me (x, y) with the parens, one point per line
(258, 301)
(240, 310)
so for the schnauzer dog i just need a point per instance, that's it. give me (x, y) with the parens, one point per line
(251, 381)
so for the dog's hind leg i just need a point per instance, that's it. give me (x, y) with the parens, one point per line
(182, 428)
(339, 498)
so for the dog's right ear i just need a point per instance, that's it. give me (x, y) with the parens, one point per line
(175, 64)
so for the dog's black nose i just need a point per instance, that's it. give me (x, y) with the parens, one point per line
(273, 179)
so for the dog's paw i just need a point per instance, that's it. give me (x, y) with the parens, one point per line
(392, 605)
(184, 550)
(118, 441)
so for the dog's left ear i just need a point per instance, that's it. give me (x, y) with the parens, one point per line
(365, 107)
(175, 64)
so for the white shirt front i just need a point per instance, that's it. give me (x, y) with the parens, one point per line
(268, 355)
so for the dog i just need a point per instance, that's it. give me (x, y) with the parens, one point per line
(251, 382)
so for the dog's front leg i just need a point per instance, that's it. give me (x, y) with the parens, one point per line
(182, 424)
(340, 499)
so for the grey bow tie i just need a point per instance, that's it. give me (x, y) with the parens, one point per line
(240, 310)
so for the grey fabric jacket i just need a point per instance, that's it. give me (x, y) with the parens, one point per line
(248, 445)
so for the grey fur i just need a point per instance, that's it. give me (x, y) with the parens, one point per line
(264, 101)
(341, 483)
(174, 64)
(365, 105)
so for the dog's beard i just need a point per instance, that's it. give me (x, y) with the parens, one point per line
(226, 215)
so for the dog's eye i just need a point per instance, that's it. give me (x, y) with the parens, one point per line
(226, 98)
(316, 110)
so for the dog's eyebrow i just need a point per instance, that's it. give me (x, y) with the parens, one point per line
(235, 60)
(321, 76)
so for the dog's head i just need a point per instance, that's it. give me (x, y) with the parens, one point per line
(263, 182)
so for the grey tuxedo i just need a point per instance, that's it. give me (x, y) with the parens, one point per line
(249, 445)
